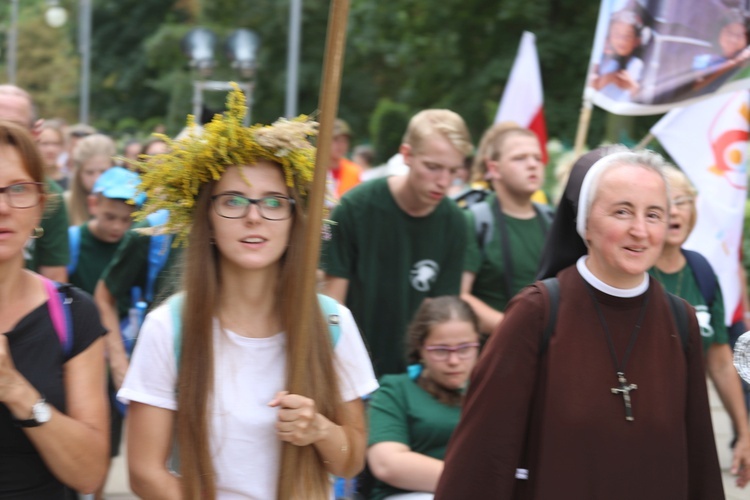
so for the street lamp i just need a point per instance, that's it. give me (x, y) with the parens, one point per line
(198, 45)
(242, 48)
(241, 45)
(56, 16)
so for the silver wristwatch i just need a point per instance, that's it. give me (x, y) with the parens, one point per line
(40, 414)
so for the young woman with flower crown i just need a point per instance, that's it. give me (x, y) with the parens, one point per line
(215, 384)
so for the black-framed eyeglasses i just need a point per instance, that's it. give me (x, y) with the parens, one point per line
(23, 194)
(235, 206)
(443, 352)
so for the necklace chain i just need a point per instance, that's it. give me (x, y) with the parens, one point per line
(624, 388)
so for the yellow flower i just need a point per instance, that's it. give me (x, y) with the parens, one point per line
(173, 180)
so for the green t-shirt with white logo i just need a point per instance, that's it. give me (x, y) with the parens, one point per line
(684, 284)
(393, 261)
(526, 238)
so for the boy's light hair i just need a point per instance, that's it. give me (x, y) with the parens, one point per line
(492, 144)
(445, 122)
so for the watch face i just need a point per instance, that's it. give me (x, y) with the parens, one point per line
(42, 412)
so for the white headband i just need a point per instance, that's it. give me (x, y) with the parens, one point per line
(589, 181)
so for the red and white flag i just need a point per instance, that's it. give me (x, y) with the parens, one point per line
(708, 141)
(523, 98)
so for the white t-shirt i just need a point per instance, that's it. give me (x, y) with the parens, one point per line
(249, 373)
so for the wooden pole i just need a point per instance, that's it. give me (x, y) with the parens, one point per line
(584, 119)
(328, 106)
(644, 142)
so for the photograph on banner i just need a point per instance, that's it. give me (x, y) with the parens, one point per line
(650, 56)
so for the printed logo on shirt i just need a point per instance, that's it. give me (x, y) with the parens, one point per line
(704, 321)
(423, 274)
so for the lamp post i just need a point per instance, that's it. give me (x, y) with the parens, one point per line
(84, 47)
(242, 47)
(56, 16)
(292, 68)
(13, 42)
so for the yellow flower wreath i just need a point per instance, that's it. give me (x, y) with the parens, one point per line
(172, 180)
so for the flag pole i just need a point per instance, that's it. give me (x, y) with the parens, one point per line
(584, 119)
(328, 107)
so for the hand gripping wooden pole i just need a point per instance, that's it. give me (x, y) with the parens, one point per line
(328, 106)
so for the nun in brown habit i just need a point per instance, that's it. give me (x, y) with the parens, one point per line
(614, 406)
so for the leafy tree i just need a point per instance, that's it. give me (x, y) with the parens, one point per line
(122, 81)
(47, 65)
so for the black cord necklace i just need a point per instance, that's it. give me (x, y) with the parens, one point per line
(624, 388)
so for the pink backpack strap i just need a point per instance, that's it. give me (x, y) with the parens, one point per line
(56, 312)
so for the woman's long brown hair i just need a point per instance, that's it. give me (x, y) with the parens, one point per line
(302, 473)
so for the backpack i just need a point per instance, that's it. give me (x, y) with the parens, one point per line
(704, 275)
(158, 252)
(483, 220)
(58, 307)
(488, 215)
(679, 313)
(328, 306)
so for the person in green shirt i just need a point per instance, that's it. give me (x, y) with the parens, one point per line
(94, 243)
(678, 273)
(394, 241)
(503, 253)
(46, 252)
(412, 415)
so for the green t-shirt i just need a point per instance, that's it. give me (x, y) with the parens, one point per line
(129, 268)
(400, 411)
(393, 261)
(52, 249)
(526, 241)
(684, 284)
(93, 257)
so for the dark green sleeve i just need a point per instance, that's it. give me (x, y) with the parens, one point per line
(449, 280)
(338, 250)
(127, 269)
(52, 249)
(387, 413)
(473, 255)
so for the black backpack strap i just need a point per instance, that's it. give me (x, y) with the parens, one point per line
(482, 224)
(679, 311)
(502, 227)
(553, 289)
(704, 275)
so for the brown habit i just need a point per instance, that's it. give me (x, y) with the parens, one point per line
(580, 444)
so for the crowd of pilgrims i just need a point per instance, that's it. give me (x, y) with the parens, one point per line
(485, 340)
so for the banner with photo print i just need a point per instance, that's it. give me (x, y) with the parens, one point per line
(650, 56)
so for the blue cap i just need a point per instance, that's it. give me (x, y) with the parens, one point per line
(119, 183)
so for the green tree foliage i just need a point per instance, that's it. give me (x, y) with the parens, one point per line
(387, 125)
(417, 53)
(123, 83)
(47, 64)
